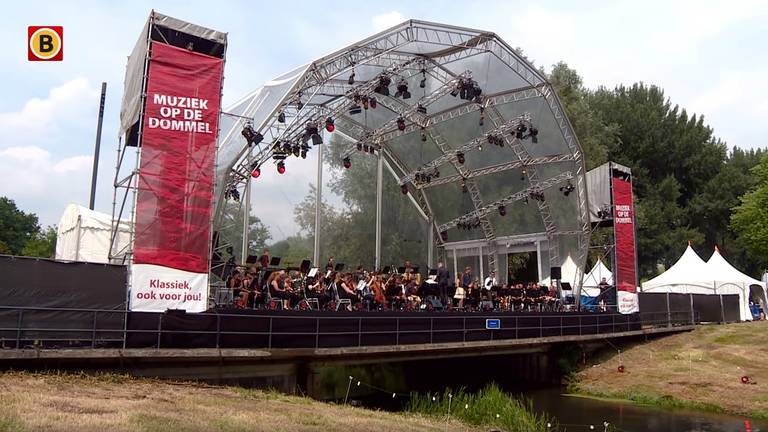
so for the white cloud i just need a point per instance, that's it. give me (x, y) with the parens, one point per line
(69, 105)
(387, 20)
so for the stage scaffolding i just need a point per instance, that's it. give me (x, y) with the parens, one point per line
(483, 163)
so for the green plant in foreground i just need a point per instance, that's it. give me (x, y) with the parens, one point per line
(488, 407)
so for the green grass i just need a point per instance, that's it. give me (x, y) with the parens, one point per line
(490, 407)
(11, 424)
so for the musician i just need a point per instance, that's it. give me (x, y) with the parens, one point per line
(316, 289)
(466, 277)
(347, 289)
(516, 295)
(329, 266)
(460, 294)
(235, 283)
(394, 293)
(254, 294)
(443, 278)
(377, 291)
(278, 287)
(264, 259)
(488, 285)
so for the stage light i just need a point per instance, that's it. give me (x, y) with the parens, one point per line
(520, 131)
(455, 91)
(421, 109)
(355, 109)
(372, 102)
(436, 174)
(299, 104)
(365, 148)
(359, 146)
(281, 167)
(428, 178)
(404, 189)
(423, 82)
(502, 210)
(534, 135)
(464, 188)
(417, 177)
(251, 136)
(372, 149)
(330, 125)
(567, 189)
(347, 163)
(460, 158)
(382, 87)
(287, 147)
(233, 194)
(523, 173)
(423, 135)
(351, 79)
(296, 150)
(316, 139)
(256, 172)
(444, 236)
(402, 89)
(280, 116)
(400, 124)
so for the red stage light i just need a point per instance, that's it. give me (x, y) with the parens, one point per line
(621, 368)
(281, 168)
(329, 125)
(347, 163)
(256, 172)
(745, 379)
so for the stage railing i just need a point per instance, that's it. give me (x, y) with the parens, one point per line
(26, 328)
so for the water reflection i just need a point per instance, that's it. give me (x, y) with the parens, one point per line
(577, 413)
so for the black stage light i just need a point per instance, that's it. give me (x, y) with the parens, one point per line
(404, 189)
(382, 87)
(534, 135)
(502, 210)
(251, 136)
(421, 109)
(444, 236)
(299, 104)
(460, 157)
(520, 130)
(329, 125)
(428, 178)
(372, 102)
(464, 186)
(423, 135)
(355, 109)
(359, 146)
(371, 149)
(316, 139)
(281, 167)
(400, 124)
(567, 189)
(402, 89)
(417, 177)
(281, 116)
(287, 147)
(351, 79)
(365, 148)
(347, 163)
(423, 83)
(296, 150)
(523, 173)
(455, 91)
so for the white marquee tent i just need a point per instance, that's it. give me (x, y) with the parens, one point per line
(84, 235)
(569, 271)
(593, 278)
(751, 288)
(691, 275)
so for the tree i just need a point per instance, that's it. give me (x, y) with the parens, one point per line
(232, 229)
(42, 244)
(16, 226)
(750, 219)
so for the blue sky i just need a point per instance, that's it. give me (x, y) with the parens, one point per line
(709, 56)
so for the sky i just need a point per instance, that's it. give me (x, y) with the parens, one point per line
(709, 56)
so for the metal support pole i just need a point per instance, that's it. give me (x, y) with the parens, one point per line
(246, 220)
(431, 244)
(379, 193)
(95, 172)
(538, 260)
(318, 202)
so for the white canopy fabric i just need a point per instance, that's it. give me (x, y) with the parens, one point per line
(593, 278)
(569, 271)
(730, 279)
(691, 275)
(84, 235)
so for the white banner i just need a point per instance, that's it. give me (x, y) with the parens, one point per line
(156, 289)
(627, 302)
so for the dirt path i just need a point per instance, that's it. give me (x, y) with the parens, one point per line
(37, 402)
(699, 369)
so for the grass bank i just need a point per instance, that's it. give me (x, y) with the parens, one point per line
(699, 370)
(63, 402)
(490, 407)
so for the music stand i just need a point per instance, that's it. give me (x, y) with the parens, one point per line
(415, 269)
(401, 270)
(305, 265)
(274, 262)
(387, 269)
(252, 259)
(432, 272)
(339, 267)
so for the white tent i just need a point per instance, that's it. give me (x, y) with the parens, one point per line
(84, 235)
(593, 278)
(691, 275)
(730, 280)
(569, 272)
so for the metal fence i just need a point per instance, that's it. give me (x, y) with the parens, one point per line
(22, 328)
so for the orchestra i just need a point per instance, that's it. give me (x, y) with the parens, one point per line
(395, 288)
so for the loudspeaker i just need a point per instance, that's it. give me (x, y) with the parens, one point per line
(555, 273)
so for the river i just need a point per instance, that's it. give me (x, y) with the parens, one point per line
(577, 413)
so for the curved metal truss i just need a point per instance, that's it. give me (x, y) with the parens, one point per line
(416, 51)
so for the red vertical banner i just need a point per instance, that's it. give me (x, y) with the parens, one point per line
(175, 185)
(625, 276)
